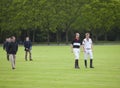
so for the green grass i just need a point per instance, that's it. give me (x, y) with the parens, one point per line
(53, 67)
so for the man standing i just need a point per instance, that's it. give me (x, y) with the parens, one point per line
(76, 49)
(87, 48)
(12, 50)
(5, 47)
(28, 47)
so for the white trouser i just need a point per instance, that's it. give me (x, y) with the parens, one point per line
(76, 52)
(12, 60)
(88, 52)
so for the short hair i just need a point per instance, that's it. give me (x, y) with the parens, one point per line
(13, 37)
(87, 33)
(77, 33)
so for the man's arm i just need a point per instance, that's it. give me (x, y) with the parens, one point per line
(16, 47)
(30, 45)
(83, 46)
(71, 48)
(9, 46)
(91, 45)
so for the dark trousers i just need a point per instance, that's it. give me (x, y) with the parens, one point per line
(7, 56)
(26, 54)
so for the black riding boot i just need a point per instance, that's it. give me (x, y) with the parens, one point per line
(91, 63)
(85, 63)
(76, 64)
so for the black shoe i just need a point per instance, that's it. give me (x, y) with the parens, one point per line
(91, 67)
(31, 60)
(13, 68)
(77, 67)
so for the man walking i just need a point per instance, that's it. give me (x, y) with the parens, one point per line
(76, 49)
(5, 47)
(28, 47)
(87, 48)
(12, 50)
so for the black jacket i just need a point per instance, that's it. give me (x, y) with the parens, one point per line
(5, 46)
(27, 44)
(12, 48)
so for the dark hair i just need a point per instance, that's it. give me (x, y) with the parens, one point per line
(87, 33)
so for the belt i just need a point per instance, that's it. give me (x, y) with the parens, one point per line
(88, 48)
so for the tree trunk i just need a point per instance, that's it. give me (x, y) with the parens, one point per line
(33, 39)
(28, 33)
(66, 37)
(48, 38)
(96, 37)
(57, 36)
(105, 36)
(117, 38)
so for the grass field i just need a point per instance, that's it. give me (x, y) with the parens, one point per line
(53, 67)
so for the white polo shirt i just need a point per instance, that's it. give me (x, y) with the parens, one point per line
(87, 43)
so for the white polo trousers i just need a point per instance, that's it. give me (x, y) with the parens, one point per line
(76, 52)
(88, 53)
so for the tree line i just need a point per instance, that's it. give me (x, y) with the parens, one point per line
(58, 20)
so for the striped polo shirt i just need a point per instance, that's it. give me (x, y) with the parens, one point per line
(76, 43)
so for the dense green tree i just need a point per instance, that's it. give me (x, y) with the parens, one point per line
(59, 17)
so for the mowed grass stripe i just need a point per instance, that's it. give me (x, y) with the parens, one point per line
(53, 67)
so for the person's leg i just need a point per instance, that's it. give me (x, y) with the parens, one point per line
(85, 58)
(7, 56)
(30, 57)
(14, 58)
(12, 61)
(85, 62)
(91, 59)
(77, 63)
(76, 53)
(26, 55)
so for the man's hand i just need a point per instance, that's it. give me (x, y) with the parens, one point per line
(71, 48)
(26, 49)
(84, 51)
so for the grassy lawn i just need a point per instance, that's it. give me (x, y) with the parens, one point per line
(53, 67)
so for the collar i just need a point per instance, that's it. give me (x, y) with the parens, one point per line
(76, 39)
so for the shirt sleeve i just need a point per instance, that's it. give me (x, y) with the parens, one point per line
(83, 42)
(91, 41)
(16, 46)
